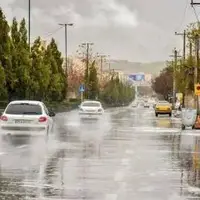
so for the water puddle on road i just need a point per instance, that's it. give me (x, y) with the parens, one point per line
(123, 156)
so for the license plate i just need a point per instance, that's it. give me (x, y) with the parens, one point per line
(21, 121)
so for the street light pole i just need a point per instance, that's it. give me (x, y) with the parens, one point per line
(65, 25)
(66, 42)
(87, 64)
(196, 69)
(29, 24)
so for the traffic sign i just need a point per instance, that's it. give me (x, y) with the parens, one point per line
(81, 88)
(197, 89)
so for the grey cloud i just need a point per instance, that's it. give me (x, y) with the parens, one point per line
(139, 30)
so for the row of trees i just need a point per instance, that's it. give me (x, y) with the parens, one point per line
(184, 71)
(114, 91)
(29, 73)
(118, 93)
(36, 71)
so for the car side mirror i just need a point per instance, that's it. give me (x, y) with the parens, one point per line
(52, 114)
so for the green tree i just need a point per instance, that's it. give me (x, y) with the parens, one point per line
(20, 59)
(15, 40)
(58, 82)
(40, 72)
(25, 62)
(117, 93)
(3, 91)
(93, 82)
(5, 54)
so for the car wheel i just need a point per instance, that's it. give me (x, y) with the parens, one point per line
(183, 127)
(170, 114)
(156, 114)
(193, 127)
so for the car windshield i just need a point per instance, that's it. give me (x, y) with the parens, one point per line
(24, 109)
(91, 104)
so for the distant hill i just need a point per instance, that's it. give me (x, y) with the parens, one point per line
(127, 67)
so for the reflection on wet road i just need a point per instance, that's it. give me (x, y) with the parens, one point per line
(129, 154)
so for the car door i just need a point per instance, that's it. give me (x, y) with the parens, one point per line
(50, 120)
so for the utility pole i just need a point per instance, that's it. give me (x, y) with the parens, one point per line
(183, 60)
(66, 41)
(88, 45)
(184, 43)
(101, 60)
(190, 50)
(196, 69)
(109, 63)
(175, 56)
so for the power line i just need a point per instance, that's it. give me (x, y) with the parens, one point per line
(184, 13)
(53, 32)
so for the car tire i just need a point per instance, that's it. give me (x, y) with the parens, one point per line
(183, 127)
(170, 114)
(193, 127)
(156, 114)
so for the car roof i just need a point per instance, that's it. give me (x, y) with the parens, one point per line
(163, 102)
(26, 101)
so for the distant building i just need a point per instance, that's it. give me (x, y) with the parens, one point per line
(148, 78)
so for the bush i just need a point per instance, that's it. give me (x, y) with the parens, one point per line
(117, 93)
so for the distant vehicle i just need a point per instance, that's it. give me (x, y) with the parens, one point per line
(24, 117)
(146, 105)
(90, 110)
(134, 104)
(163, 107)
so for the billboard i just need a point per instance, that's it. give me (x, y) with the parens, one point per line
(137, 77)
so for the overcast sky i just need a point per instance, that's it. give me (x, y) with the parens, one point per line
(134, 30)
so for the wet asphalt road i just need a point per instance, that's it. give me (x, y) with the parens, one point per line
(129, 154)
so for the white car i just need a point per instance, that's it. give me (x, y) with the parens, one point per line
(90, 109)
(24, 117)
(134, 104)
(146, 105)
